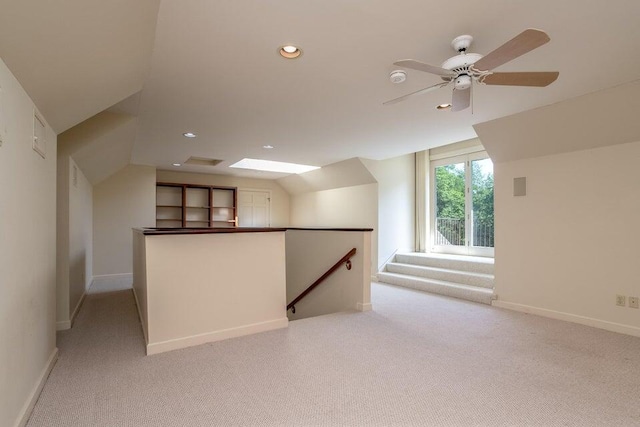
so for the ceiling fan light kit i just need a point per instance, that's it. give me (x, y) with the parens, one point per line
(466, 68)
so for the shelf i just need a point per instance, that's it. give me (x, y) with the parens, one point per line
(195, 206)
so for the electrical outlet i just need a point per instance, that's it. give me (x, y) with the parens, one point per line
(633, 302)
(621, 300)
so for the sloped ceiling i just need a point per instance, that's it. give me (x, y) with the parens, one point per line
(346, 173)
(602, 118)
(212, 67)
(100, 145)
(76, 58)
(215, 71)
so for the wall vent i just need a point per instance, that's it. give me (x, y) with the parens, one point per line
(203, 161)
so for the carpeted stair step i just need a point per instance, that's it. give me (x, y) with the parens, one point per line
(466, 292)
(482, 280)
(449, 262)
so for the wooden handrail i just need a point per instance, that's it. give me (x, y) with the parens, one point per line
(346, 258)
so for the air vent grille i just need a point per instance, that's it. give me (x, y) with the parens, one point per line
(203, 161)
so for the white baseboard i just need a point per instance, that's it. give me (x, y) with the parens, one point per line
(568, 317)
(25, 413)
(142, 319)
(77, 309)
(63, 325)
(111, 283)
(364, 306)
(161, 347)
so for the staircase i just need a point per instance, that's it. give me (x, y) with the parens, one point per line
(464, 277)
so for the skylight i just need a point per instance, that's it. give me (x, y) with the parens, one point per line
(272, 166)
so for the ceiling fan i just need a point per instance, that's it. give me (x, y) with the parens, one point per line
(465, 68)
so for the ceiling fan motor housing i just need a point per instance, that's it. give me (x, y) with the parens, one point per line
(460, 63)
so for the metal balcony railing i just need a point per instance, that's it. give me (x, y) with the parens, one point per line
(451, 231)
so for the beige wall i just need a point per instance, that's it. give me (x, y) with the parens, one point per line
(355, 207)
(396, 205)
(218, 297)
(279, 197)
(570, 245)
(310, 254)
(27, 254)
(370, 193)
(80, 239)
(74, 246)
(121, 202)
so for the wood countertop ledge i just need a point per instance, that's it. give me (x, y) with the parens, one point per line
(167, 231)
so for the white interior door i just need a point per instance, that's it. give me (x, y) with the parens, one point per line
(254, 208)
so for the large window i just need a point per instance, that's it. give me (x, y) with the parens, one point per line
(462, 205)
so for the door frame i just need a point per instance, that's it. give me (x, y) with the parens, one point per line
(258, 190)
(467, 249)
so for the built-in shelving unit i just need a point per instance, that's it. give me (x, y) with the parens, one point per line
(195, 206)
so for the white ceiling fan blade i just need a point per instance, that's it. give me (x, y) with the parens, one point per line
(461, 99)
(524, 42)
(421, 66)
(418, 92)
(534, 78)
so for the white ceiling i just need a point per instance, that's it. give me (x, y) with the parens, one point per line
(214, 70)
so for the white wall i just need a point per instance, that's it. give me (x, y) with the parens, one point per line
(80, 238)
(310, 253)
(125, 200)
(396, 205)
(355, 207)
(27, 254)
(571, 244)
(198, 288)
(279, 197)
(74, 248)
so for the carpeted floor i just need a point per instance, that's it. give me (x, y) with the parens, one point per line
(418, 359)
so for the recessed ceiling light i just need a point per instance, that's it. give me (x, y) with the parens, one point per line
(271, 166)
(268, 147)
(290, 51)
(177, 164)
(443, 106)
(190, 134)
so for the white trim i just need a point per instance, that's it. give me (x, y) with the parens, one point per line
(460, 148)
(161, 347)
(25, 413)
(374, 278)
(381, 266)
(257, 190)
(465, 249)
(142, 320)
(364, 306)
(456, 153)
(63, 325)
(568, 317)
(77, 309)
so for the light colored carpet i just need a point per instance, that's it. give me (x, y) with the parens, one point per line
(418, 359)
